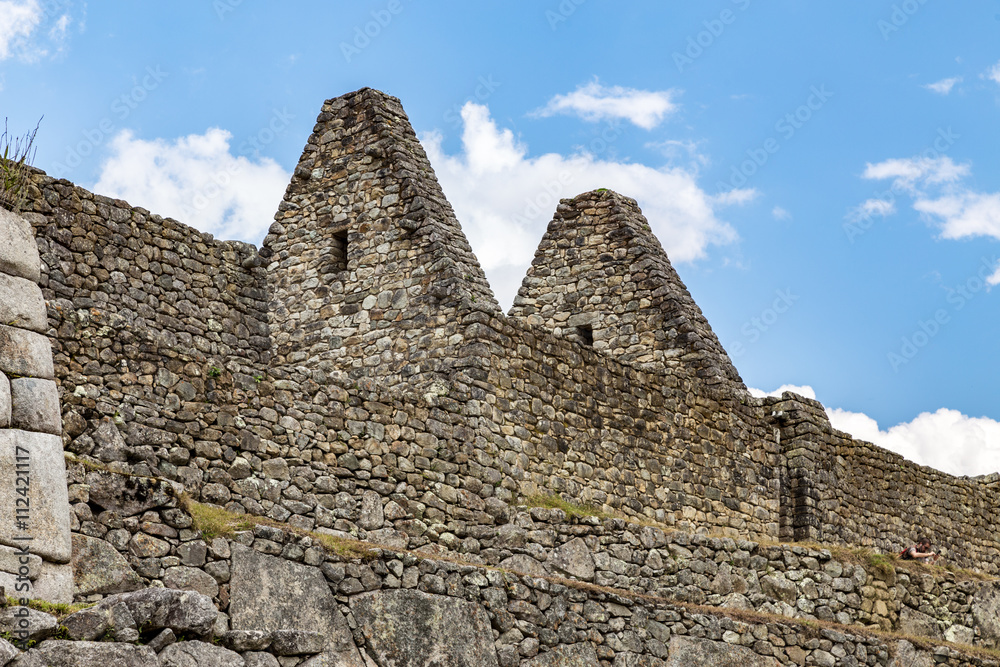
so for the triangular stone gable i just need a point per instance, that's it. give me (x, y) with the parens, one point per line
(364, 238)
(601, 277)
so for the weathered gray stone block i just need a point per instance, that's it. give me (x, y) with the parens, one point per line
(576, 655)
(62, 653)
(906, 655)
(35, 405)
(524, 565)
(25, 353)
(99, 568)
(18, 250)
(269, 594)
(12, 561)
(195, 653)
(691, 652)
(4, 401)
(7, 651)
(48, 523)
(371, 516)
(22, 304)
(986, 610)
(126, 494)
(54, 583)
(913, 622)
(572, 559)
(409, 628)
(191, 579)
(36, 624)
(150, 609)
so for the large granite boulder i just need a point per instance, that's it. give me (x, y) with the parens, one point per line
(986, 611)
(409, 628)
(270, 594)
(147, 610)
(913, 622)
(60, 653)
(199, 654)
(691, 652)
(99, 568)
(906, 655)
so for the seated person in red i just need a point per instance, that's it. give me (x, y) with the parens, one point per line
(920, 551)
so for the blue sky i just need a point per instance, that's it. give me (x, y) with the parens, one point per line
(824, 176)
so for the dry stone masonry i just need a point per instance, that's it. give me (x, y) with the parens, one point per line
(325, 451)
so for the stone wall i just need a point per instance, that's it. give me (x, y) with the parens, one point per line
(356, 374)
(542, 589)
(34, 519)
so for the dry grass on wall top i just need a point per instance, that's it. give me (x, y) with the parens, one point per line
(214, 521)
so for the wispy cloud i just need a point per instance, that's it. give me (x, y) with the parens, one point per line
(993, 73)
(780, 214)
(505, 197)
(944, 86)
(594, 102)
(939, 192)
(872, 207)
(908, 173)
(197, 180)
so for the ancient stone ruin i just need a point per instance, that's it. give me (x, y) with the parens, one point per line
(337, 450)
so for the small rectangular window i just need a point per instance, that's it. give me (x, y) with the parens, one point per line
(339, 251)
(585, 334)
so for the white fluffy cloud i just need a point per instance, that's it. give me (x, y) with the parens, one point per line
(944, 86)
(20, 34)
(18, 19)
(505, 198)
(197, 180)
(594, 102)
(946, 440)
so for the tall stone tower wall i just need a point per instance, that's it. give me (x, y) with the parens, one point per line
(601, 278)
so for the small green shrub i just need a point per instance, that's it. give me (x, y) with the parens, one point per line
(16, 154)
